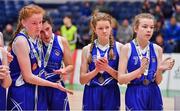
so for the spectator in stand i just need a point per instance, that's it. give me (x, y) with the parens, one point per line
(167, 47)
(159, 29)
(7, 33)
(125, 32)
(86, 8)
(69, 31)
(115, 26)
(158, 14)
(146, 8)
(177, 12)
(101, 6)
(86, 36)
(166, 8)
(172, 33)
(159, 40)
(161, 3)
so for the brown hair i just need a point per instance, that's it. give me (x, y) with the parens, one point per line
(98, 16)
(26, 12)
(47, 19)
(137, 18)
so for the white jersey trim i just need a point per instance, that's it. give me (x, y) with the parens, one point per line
(118, 48)
(14, 42)
(130, 50)
(1, 55)
(155, 46)
(60, 42)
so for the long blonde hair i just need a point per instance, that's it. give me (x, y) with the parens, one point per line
(26, 12)
(98, 16)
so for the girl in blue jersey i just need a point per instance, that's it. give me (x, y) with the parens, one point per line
(99, 66)
(27, 65)
(5, 79)
(56, 51)
(141, 67)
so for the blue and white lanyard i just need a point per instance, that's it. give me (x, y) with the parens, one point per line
(140, 54)
(48, 52)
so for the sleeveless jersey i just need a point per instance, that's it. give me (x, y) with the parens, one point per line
(134, 63)
(55, 60)
(113, 63)
(2, 96)
(22, 95)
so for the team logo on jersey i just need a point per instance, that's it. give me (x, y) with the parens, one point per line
(34, 66)
(57, 53)
(135, 58)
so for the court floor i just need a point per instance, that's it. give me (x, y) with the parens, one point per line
(75, 101)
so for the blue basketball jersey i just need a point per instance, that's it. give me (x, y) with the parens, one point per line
(138, 95)
(2, 98)
(55, 60)
(134, 63)
(2, 95)
(102, 95)
(14, 65)
(113, 63)
(56, 99)
(22, 95)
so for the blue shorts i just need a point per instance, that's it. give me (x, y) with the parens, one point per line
(23, 98)
(56, 99)
(2, 98)
(141, 97)
(101, 97)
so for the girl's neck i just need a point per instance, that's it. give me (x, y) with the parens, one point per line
(33, 37)
(142, 43)
(34, 40)
(102, 42)
(29, 34)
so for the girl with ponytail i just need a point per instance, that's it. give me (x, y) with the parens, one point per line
(26, 91)
(141, 67)
(99, 66)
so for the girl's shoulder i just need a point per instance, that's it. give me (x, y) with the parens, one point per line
(86, 50)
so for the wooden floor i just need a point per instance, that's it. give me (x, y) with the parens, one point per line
(75, 101)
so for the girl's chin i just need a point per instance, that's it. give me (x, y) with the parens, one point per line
(105, 37)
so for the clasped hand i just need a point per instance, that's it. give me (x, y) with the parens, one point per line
(4, 71)
(102, 64)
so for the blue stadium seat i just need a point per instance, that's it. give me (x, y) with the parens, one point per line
(137, 4)
(75, 9)
(54, 14)
(63, 8)
(77, 15)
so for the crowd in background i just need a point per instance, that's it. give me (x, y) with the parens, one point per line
(73, 23)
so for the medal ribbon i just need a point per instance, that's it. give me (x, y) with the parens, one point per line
(140, 54)
(47, 55)
(99, 55)
(38, 56)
